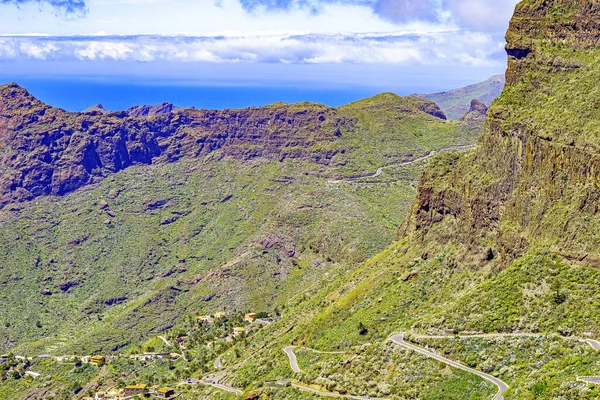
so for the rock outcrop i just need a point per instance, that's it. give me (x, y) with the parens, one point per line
(145, 111)
(535, 177)
(476, 112)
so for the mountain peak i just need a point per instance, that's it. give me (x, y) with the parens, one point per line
(477, 111)
(150, 111)
(16, 99)
(401, 104)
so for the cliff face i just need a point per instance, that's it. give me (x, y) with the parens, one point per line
(50, 151)
(535, 177)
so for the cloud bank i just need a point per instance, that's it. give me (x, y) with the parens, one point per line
(437, 48)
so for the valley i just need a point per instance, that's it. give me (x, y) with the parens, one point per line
(378, 250)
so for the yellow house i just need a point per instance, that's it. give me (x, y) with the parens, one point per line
(250, 317)
(165, 393)
(237, 331)
(97, 360)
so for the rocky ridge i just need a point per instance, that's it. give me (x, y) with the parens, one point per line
(534, 177)
(48, 151)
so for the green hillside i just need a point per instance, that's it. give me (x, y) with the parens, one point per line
(102, 267)
(492, 279)
(455, 103)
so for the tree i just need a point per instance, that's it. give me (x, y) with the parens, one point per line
(362, 329)
(558, 295)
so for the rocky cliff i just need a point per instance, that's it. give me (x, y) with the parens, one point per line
(534, 179)
(48, 151)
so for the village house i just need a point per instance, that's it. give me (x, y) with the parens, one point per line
(3, 358)
(250, 317)
(238, 331)
(97, 360)
(111, 394)
(134, 390)
(32, 374)
(165, 393)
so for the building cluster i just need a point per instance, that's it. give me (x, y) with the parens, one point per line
(135, 391)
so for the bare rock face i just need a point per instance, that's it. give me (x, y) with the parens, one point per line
(48, 151)
(145, 111)
(476, 112)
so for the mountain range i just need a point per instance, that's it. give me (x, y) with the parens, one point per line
(375, 250)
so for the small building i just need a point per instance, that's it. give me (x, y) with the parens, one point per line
(3, 358)
(134, 390)
(181, 339)
(32, 374)
(97, 360)
(111, 394)
(174, 356)
(220, 314)
(238, 331)
(165, 393)
(250, 317)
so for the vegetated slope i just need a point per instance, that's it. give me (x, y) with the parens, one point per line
(455, 103)
(503, 239)
(191, 211)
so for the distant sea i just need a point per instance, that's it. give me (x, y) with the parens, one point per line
(77, 95)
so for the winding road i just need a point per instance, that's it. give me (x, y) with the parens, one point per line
(399, 339)
(289, 350)
(223, 387)
(402, 164)
(166, 341)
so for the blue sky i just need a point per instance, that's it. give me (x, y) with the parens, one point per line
(376, 44)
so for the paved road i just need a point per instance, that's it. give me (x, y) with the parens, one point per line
(329, 394)
(293, 361)
(399, 339)
(165, 340)
(594, 343)
(289, 350)
(423, 158)
(223, 387)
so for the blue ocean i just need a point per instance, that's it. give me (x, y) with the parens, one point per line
(77, 95)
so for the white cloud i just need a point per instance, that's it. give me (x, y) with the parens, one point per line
(431, 48)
